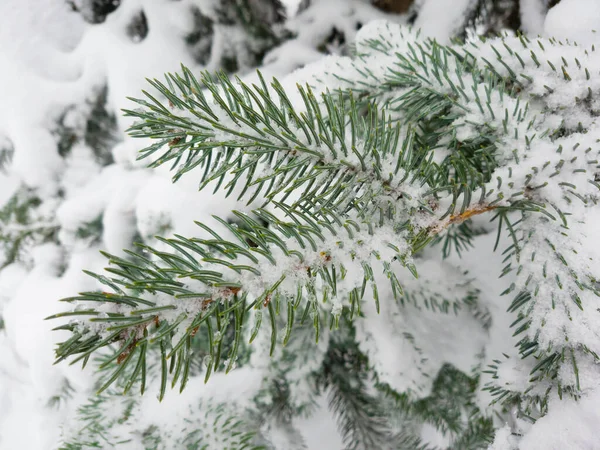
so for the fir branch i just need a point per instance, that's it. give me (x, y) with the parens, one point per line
(105, 422)
(364, 194)
(330, 153)
(217, 282)
(361, 422)
(283, 268)
(450, 407)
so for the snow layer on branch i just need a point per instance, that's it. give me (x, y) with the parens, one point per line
(406, 343)
(574, 20)
(532, 16)
(440, 19)
(570, 424)
(26, 348)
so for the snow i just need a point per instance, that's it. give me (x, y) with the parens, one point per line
(574, 20)
(51, 60)
(532, 16)
(54, 64)
(318, 429)
(442, 26)
(569, 425)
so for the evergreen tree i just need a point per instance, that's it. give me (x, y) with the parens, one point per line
(375, 197)
(355, 177)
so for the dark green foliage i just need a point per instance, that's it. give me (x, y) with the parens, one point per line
(108, 421)
(385, 419)
(200, 39)
(99, 134)
(451, 400)
(94, 11)
(99, 415)
(334, 43)
(259, 20)
(450, 408)
(362, 422)
(491, 18)
(91, 231)
(21, 226)
(6, 153)
(137, 29)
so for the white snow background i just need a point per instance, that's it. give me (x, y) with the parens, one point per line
(50, 59)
